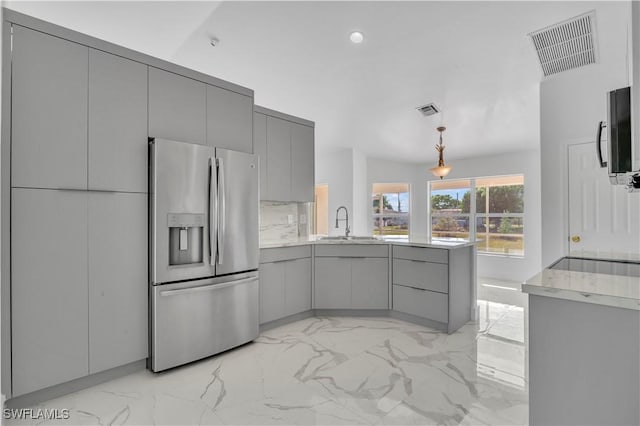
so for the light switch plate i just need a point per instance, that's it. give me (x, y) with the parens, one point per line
(290, 219)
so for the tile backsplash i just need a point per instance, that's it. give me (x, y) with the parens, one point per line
(283, 221)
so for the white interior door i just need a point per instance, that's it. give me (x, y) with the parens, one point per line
(602, 217)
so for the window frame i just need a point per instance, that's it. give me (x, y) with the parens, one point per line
(406, 215)
(473, 215)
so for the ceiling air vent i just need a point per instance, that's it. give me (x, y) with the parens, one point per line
(566, 45)
(429, 109)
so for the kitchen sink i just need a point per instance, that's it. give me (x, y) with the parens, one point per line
(349, 238)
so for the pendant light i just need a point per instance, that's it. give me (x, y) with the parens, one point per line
(441, 171)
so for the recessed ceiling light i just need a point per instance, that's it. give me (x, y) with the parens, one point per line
(356, 37)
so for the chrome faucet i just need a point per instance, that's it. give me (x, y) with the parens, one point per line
(347, 230)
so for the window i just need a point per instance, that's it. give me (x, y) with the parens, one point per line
(489, 210)
(390, 209)
(321, 210)
(450, 215)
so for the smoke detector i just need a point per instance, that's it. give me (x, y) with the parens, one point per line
(429, 109)
(566, 45)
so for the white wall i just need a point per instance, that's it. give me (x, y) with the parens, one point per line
(571, 105)
(336, 170)
(361, 195)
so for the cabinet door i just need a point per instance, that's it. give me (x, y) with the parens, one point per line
(177, 107)
(48, 111)
(117, 123)
(260, 149)
(297, 291)
(370, 283)
(278, 159)
(118, 282)
(332, 283)
(229, 120)
(302, 163)
(271, 291)
(49, 328)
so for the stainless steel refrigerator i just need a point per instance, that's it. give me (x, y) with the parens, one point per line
(204, 207)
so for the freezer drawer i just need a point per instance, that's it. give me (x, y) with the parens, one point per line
(196, 319)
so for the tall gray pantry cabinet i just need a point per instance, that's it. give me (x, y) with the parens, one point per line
(79, 258)
(77, 116)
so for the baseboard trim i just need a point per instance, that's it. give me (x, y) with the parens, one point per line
(286, 320)
(34, 398)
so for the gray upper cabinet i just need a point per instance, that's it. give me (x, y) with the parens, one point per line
(177, 107)
(286, 149)
(278, 160)
(117, 123)
(118, 298)
(49, 288)
(260, 149)
(302, 163)
(48, 111)
(229, 120)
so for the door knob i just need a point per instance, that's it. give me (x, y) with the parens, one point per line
(575, 238)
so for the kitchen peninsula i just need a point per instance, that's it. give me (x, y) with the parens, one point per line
(422, 281)
(584, 343)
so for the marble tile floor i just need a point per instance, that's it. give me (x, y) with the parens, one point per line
(329, 371)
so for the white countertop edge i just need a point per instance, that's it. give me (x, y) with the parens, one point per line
(597, 299)
(364, 242)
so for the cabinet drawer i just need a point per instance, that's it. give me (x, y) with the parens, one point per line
(421, 253)
(279, 254)
(352, 250)
(421, 303)
(424, 275)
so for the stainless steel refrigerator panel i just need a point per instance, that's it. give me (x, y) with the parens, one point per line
(196, 319)
(238, 210)
(180, 204)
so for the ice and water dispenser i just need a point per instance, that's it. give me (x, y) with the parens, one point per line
(186, 233)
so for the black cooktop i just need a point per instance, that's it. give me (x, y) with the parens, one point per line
(598, 266)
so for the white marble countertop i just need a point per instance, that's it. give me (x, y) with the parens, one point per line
(602, 289)
(418, 242)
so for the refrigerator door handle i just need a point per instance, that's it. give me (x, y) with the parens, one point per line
(213, 212)
(222, 210)
(207, 287)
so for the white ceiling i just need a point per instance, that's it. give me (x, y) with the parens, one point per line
(473, 59)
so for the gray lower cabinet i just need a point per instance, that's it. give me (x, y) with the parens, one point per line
(332, 283)
(118, 296)
(434, 284)
(297, 286)
(285, 282)
(177, 107)
(79, 284)
(421, 303)
(370, 283)
(49, 290)
(118, 147)
(48, 111)
(356, 278)
(229, 120)
(272, 277)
